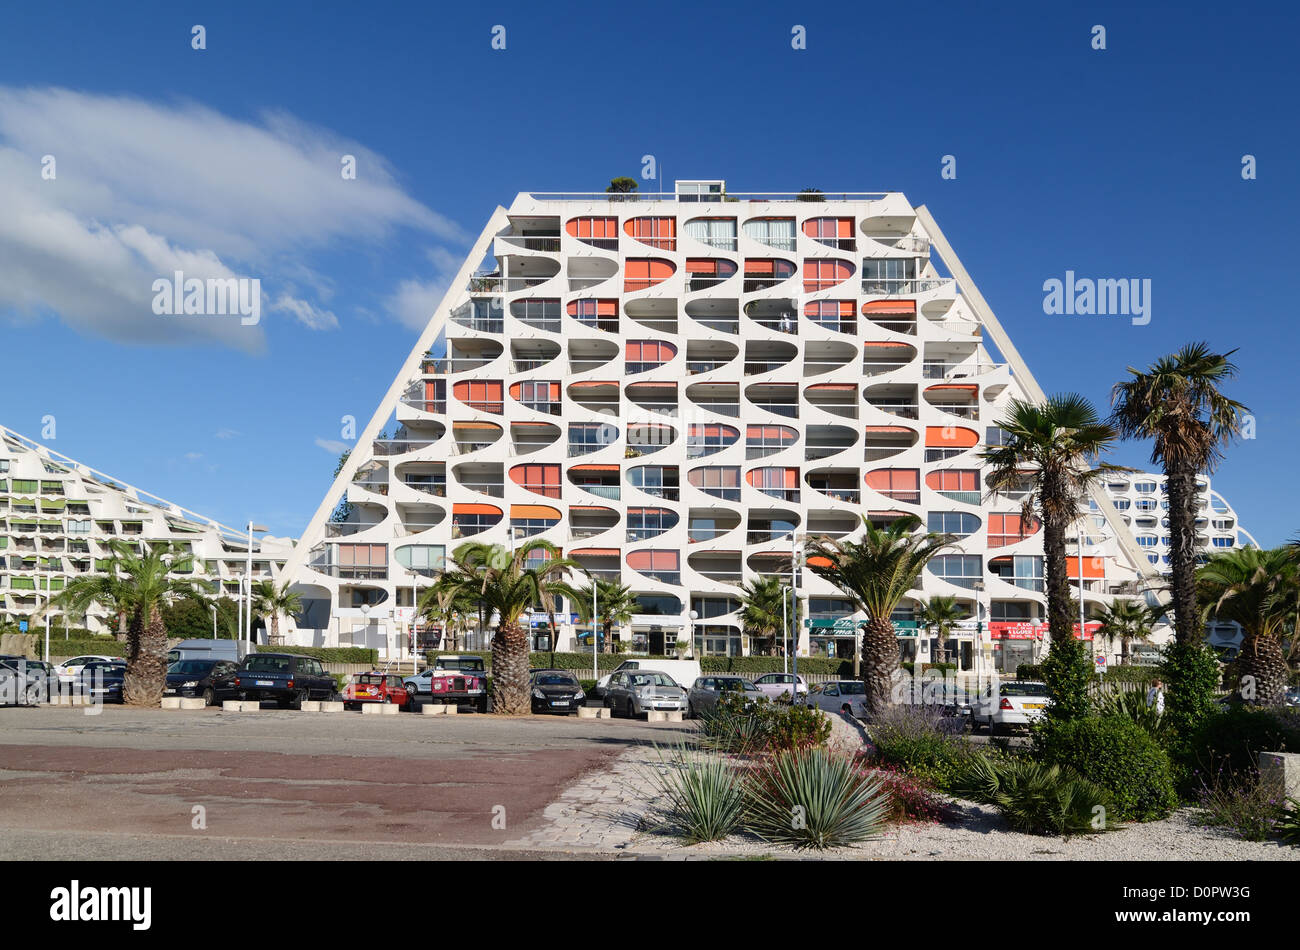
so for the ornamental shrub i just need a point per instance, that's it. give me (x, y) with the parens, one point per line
(1117, 755)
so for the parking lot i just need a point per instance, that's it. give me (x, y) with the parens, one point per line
(286, 784)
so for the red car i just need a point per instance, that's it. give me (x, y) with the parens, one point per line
(376, 687)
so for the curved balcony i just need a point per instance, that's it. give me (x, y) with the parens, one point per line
(704, 439)
(768, 356)
(528, 437)
(658, 315)
(781, 399)
(722, 398)
(880, 357)
(885, 441)
(538, 313)
(705, 525)
(646, 438)
(826, 356)
(824, 441)
(841, 485)
(470, 437)
(529, 355)
(588, 355)
(839, 399)
(720, 316)
(589, 521)
(723, 567)
(587, 273)
(764, 440)
(654, 397)
(705, 356)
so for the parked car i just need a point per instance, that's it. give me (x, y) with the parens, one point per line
(34, 671)
(287, 678)
(775, 685)
(102, 680)
(455, 686)
(214, 680)
(683, 672)
(1008, 704)
(948, 697)
(422, 681)
(21, 685)
(841, 696)
(377, 687)
(634, 692)
(232, 650)
(556, 691)
(67, 670)
(702, 698)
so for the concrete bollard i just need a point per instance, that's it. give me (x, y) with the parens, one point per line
(593, 712)
(674, 716)
(171, 702)
(433, 709)
(193, 702)
(328, 707)
(390, 710)
(1279, 772)
(311, 705)
(656, 715)
(451, 709)
(232, 705)
(372, 709)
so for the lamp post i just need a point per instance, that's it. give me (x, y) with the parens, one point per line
(978, 587)
(213, 608)
(261, 529)
(365, 626)
(693, 616)
(595, 646)
(794, 615)
(415, 605)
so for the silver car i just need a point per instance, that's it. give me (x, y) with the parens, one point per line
(634, 692)
(841, 696)
(707, 690)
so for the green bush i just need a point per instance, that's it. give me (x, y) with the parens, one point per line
(1232, 739)
(105, 646)
(1191, 676)
(1030, 671)
(748, 727)
(944, 668)
(1067, 671)
(1035, 797)
(922, 741)
(1131, 703)
(813, 799)
(1131, 674)
(1117, 755)
(757, 665)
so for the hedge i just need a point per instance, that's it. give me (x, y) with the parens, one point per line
(327, 654)
(1114, 674)
(107, 646)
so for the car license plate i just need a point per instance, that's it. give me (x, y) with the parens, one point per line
(559, 702)
(169, 690)
(1032, 705)
(263, 683)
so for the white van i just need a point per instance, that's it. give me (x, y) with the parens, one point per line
(684, 672)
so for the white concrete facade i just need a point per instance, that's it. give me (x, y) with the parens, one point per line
(58, 515)
(675, 389)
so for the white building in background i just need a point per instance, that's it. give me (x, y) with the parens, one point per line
(57, 517)
(1142, 504)
(678, 388)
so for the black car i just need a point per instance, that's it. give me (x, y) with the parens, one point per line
(556, 691)
(102, 680)
(214, 680)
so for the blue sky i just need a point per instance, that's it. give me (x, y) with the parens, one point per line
(1124, 162)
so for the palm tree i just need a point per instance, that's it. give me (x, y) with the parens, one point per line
(939, 615)
(507, 586)
(138, 585)
(762, 603)
(1050, 450)
(444, 603)
(1258, 590)
(615, 603)
(877, 573)
(1127, 620)
(1177, 403)
(272, 601)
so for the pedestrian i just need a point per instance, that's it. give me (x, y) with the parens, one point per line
(1156, 696)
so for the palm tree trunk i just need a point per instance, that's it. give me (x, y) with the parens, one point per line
(146, 670)
(1181, 491)
(1263, 671)
(510, 694)
(879, 662)
(1059, 622)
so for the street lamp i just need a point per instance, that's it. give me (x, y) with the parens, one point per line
(213, 608)
(978, 587)
(693, 616)
(365, 626)
(261, 529)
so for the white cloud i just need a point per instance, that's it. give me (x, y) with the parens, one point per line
(143, 189)
(226, 433)
(193, 456)
(414, 301)
(334, 447)
(309, 316)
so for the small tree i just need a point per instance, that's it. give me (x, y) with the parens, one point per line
(622, 186)
(271, 601)
(939, 615)
(615, 603)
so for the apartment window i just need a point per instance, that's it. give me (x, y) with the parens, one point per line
(960, 570)
(541, 313)
(1028, 571)
(25, 485)
(774, 232)
(640, 273)
(467, 519)
(900, 484)
(1223, 542)
(601, 314)
(995, 435)
(960, 523)
(483, 395)
(764, 272)
(527, 527)
(714, 606)
(1145, 488)
(587, 437)
(824, 274)
(837, 232)
(4, 466)
(363, 560)
(539, 479)
(705, 272)
(660, 233)
(643, 523)
(543, 397)
(424, 559)
(721, 481)
(1145, 504)
(1121, 504)
(761, 441)
(663, 566)
(780, 483)
(599, 232)
(643, 355)
(838, 315)
(1147, 540)
(658, 480)
(890, 275)
(80, 526)
(705, 439)
(719, 233)
(1008, 529)
(699, 190)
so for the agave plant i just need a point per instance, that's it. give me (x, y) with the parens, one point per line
(1132, 704)
(703, 796)
(815, 799)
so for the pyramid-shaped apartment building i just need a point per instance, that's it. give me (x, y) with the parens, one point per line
(677, 389)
